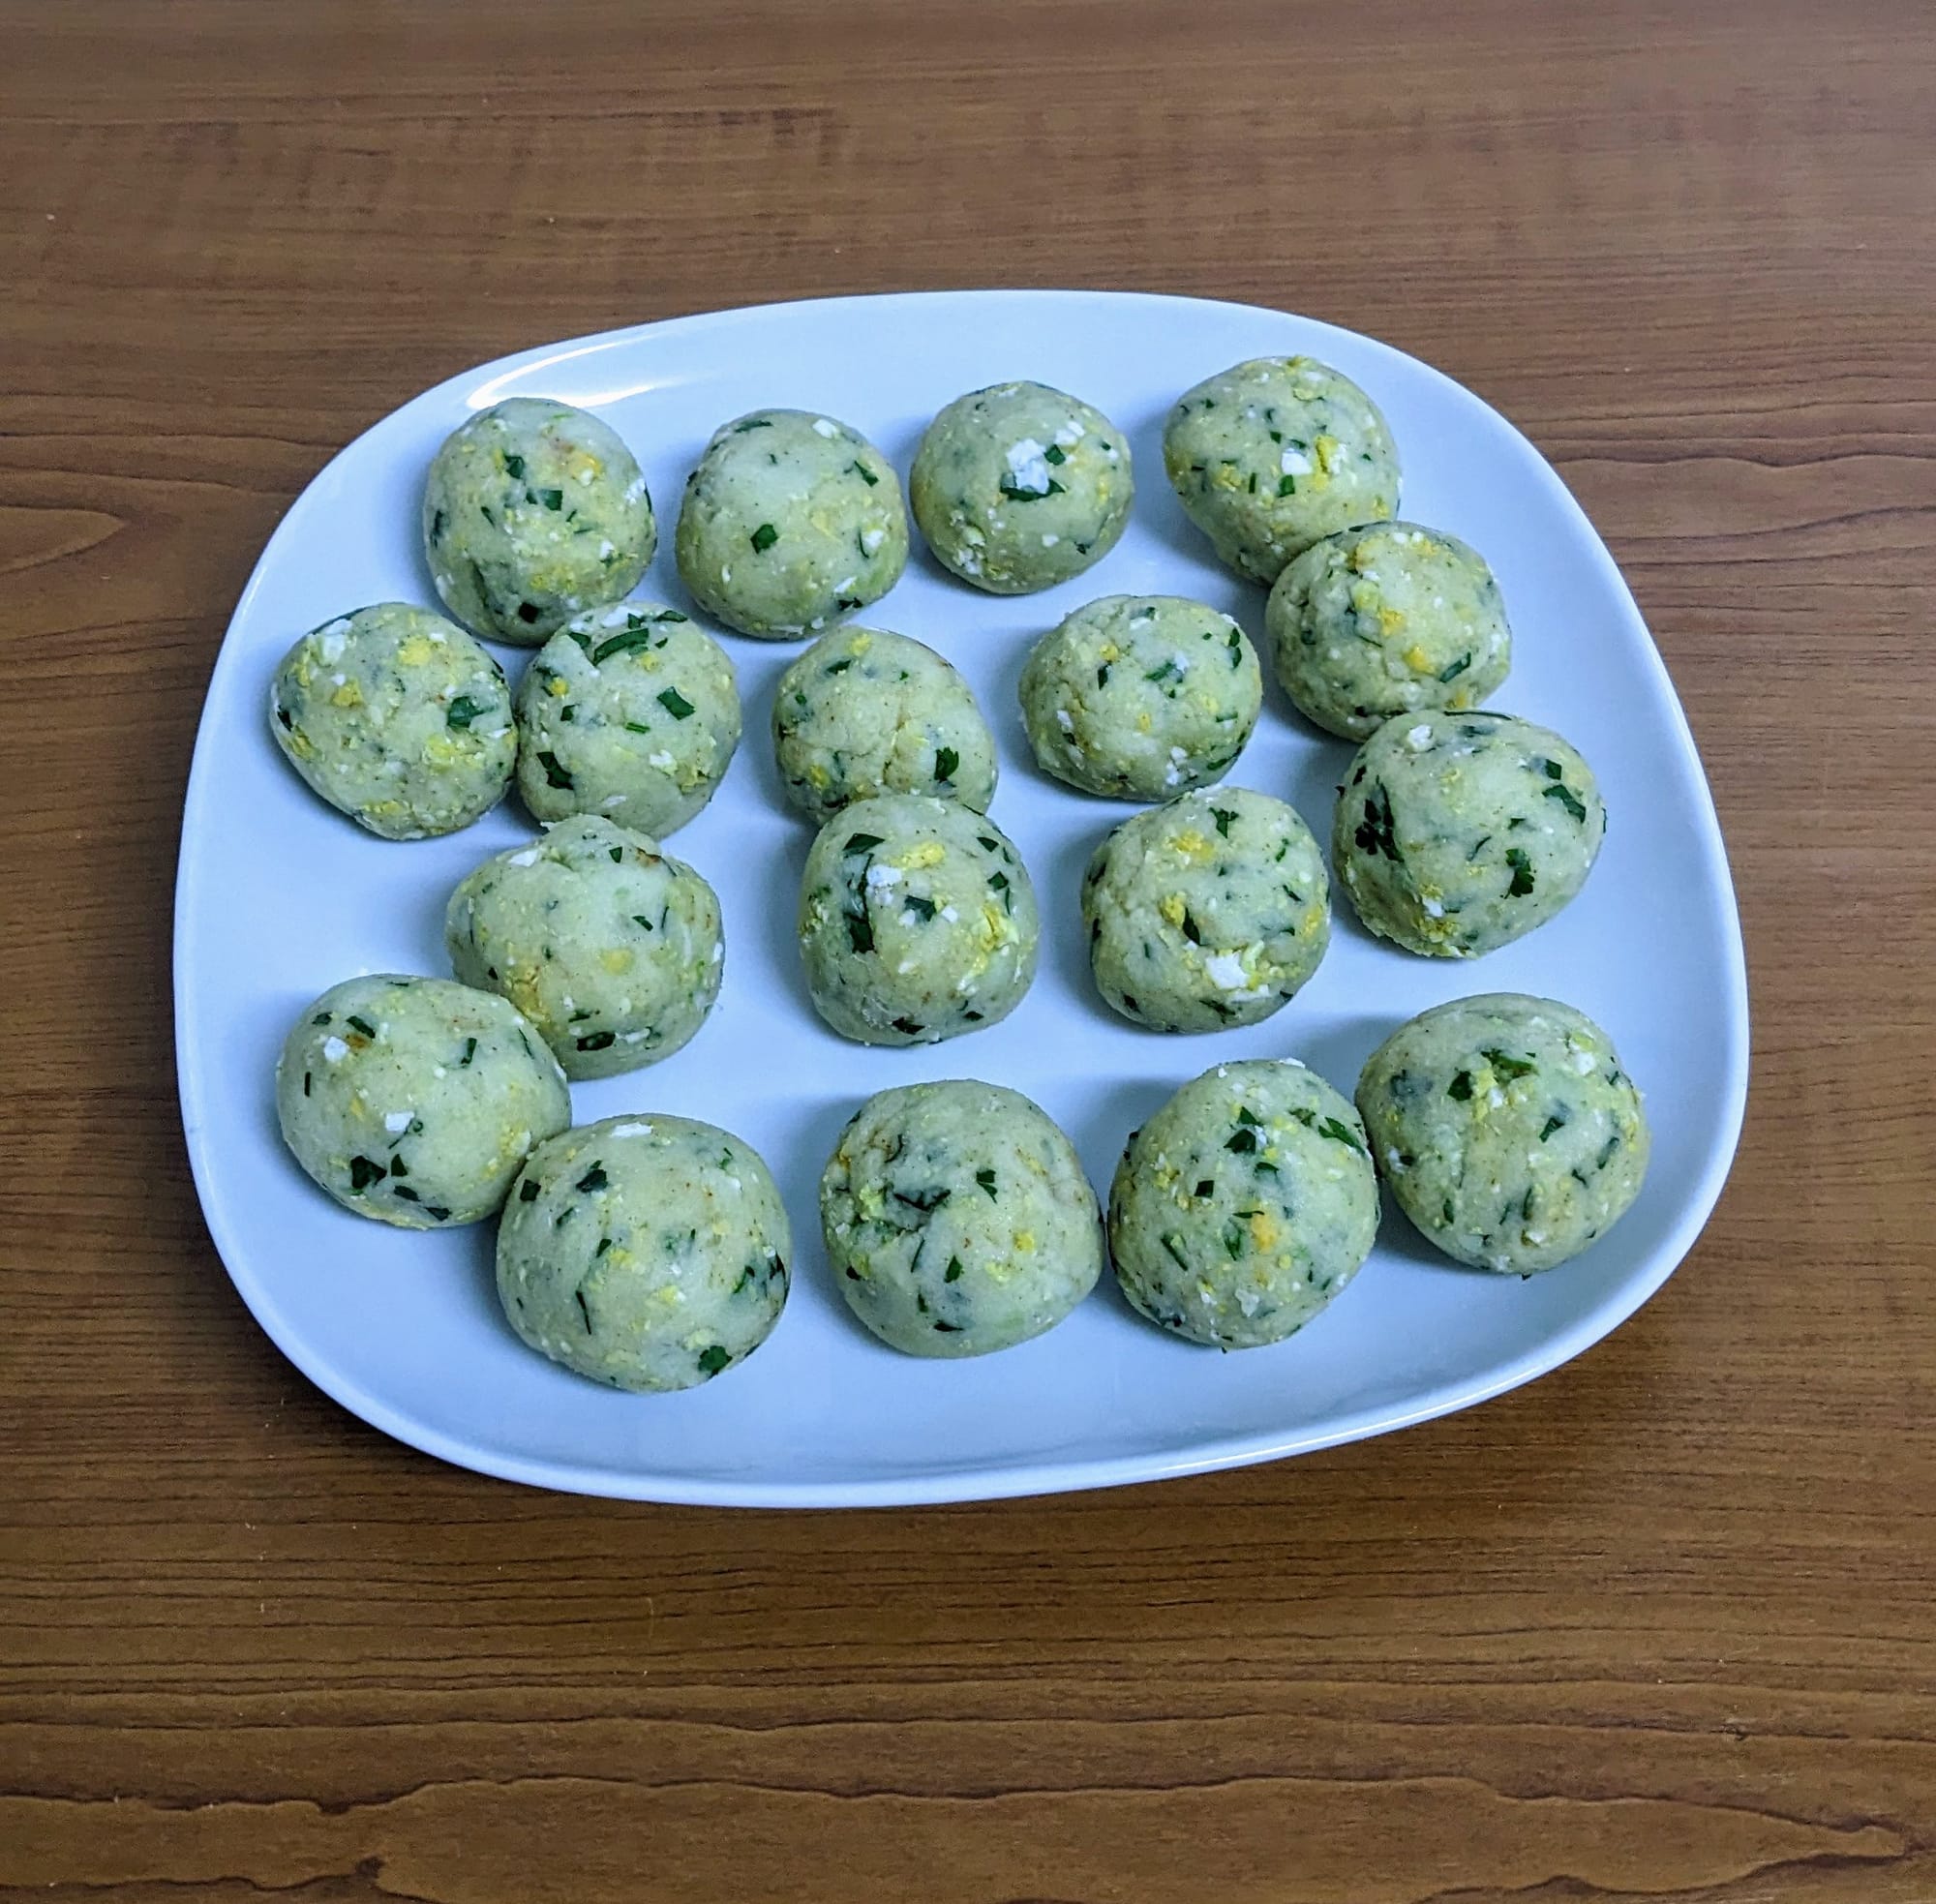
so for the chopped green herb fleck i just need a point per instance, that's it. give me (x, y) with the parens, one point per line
(1054, 454)
(594, 1179)
(527, 1190)
(675, 702)
(865, 474)
(1567, 799)
(463, 711)
(361, 1024)
(1340, 1133)
(363, 1173)
(1506, 1065)
(1557, 1122)
(1224, 816)
(1522, 871)
(597, 1041)
(861, 842)
(764, 538)
(514, 468)
(712, 1360)
(946, 761)
(1460, 1087)
(470, 1052)
(985, 1177)
(1286, 485)
(552, 498)
(953, 1273)
(1455, 669)
(1243, 1140)
(922, 908)
(555, 775)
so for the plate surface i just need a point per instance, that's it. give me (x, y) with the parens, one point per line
(279, 898)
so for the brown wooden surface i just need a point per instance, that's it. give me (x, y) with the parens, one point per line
(1661, 1626)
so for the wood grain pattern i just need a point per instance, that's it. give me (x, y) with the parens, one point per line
(1662, 1626)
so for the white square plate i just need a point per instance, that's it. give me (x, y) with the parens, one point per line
(279, 898)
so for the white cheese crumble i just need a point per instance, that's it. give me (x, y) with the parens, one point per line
(1294, 463)
(1225, 971)
(334, 1050)
(397, 1122)
(1028, 466)
(824, 428)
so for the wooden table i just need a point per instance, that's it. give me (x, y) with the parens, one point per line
(1661, 1626)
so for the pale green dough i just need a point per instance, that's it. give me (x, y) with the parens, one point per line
(917, 920)
(1244, 1205)
(1270, 455)
(647, 1252)
(864, 712)
(416, 1101)
(1387, 619)
(630, 712)
(1456, 833)
(609, 947)
(957, 1219)
(1140, 697)
(1211, 910)
(790, 522)
(1506, 1129)
(534, 512)
(1018, 486)
(397, 718)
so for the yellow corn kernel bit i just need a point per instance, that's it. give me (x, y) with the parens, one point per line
(818, 776)
(1189, 844)
(299, 744)
(929, 853)
(349, 695)
(859, 642)
(1172, 908)
(558, 687)
(441, 750)
(1265, 1229)
(1415, 658)
(414, 651)
(617, 959)
(1025, 1242)
(1144, 724)
(1330, 453)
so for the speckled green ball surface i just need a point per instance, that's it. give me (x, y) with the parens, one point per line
(1387, 619)
(629, 712)
(609, 947)
(1457, 833)
(957, 1219)
(1140, 697)
(790, 522)
(416, 1101)
(917, 920)
(863, 713)
(534, 512)
(397, 718)
(1507, 1130)
(1244, 1205)
(1211, 910)
(1271, 455)
(1018, 486)
(647, 1252)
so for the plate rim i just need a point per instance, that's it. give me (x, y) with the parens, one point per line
(1009, 1480)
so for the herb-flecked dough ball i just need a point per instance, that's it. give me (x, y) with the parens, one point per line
(534, 512)
(609, 947)
(629, 712)
(1457, 833)
(1506, 1129)
(957, 1219)
(1244, 1205)
(1018, 486)
(1386, 620)
(1140, 697)
(864, 712)
(917, 920)
(416, 1101)
(1271, 455)
(646, 1252)
(1211, 910)
(397, 718)
(790, 522)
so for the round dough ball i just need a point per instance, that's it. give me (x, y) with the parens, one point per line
(790, 522)
(416, 1101)
(532, 512)
(1140, 697)
(865, 713)
(1268, 456)
(957, 1219)
(1244, 1205)
(609, 947)
(1019, 487)
(1506, 1127)
(630, 712)
(397, 718)
(647, 1252)
(1456, 833)
(1386, 620)
(917, 920)
(1211, 910)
